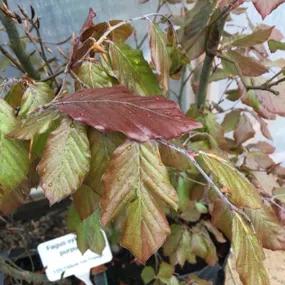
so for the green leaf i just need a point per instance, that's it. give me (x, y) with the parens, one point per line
(101, 146)
(137, 180)
(276, 45)
(36, 95)
(165, 272)
(89, 234)
(132, 70)
(203, 246)
(241, 191)
(65, 161)
(177, 246)
(38, 122)
(159, 54)
(14, 160)
(249, 254)
(147, 274)
(93, 75)
(14, 95)
(214, 129)
(258, 36)
(85, 201)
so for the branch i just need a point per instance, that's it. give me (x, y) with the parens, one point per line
(42, 52)
(190, 156)
(17, 45)
(11, 58)
(204, 81)
(27, 276)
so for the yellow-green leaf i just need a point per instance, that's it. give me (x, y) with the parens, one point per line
(177, 246)
(14, 160)
(159, 54)
(249, 254)
(165, 272)
(147, 274)
(65, 161)
(241, 192)
(93, 75)
(89, 234)
(35, 96)
(203, 246)
(36, 123)
(132, 70)
(137, 180)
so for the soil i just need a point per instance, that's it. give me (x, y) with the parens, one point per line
(37, 222)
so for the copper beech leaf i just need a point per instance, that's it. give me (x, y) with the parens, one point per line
(159, 54)
(65, 161)
(118, 109)
(132, 70)
(241, 192)
(138, 182)
(249, 254)
(265, 7)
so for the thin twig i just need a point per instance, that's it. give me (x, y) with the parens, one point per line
(16, 44)
(11, 58)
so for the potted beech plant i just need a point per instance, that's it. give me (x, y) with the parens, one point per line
(97, 127)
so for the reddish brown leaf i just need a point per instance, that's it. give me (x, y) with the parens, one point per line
(122, 33)
(226, 4)
(246, 65)
(264, 147)
(118, 109)
(265, 7)
(88, 22)
(244, 130)
(271, 105)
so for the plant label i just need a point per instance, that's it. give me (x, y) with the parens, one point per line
(62, 258)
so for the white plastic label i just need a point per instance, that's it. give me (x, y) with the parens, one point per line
(62, 258)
